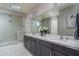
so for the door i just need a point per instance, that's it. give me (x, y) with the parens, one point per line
(32, 46)
(45, 51)
(36, 47)
(27, 43)
(54, 26)
(25, 40)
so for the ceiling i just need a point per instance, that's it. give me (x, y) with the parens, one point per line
(25, 7)
(55, 10)
(63, 5)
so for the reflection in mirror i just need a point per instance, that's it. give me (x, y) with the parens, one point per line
(35, 24)
(46, 23)
(63, 20)
(55, 20)
(49, 19)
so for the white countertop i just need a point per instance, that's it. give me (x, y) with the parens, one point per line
(70, 43)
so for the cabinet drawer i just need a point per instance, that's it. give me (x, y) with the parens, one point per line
(45, 51)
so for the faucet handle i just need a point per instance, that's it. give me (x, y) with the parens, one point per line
(66, 38)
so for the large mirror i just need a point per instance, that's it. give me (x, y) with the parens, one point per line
(47, 20)
(56, 21)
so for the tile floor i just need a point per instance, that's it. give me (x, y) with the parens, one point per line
(14, 50)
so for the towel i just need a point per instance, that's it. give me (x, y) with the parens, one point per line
(77, 20)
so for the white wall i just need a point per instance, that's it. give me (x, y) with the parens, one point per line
(9, 26)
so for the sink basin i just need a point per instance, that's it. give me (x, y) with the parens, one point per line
(57, 37)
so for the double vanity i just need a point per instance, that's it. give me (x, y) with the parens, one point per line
(51, 45)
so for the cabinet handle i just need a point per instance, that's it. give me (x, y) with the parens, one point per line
(26, 40)
(53, 54)
(50, 53)
(34, 40)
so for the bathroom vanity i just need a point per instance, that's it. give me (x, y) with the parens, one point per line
(50, 46)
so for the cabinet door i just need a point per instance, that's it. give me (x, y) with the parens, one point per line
(24, 41)
(27, 43)
(45, 51)
(36, 47)
(32, 46)
(56, 53)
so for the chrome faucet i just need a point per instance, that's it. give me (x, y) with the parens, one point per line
(61, 36)
(66, 38)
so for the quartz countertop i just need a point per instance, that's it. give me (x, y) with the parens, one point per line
(70, 43)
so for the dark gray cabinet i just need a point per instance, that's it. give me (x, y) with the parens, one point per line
(45, 51)
(45, 48)
(27, 43)
(32, 46)
(36, 47)
(40, 47)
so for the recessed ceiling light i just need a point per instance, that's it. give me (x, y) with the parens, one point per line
(15, 7)
(56, 4)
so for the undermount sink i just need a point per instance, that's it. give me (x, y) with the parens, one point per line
(58, 37)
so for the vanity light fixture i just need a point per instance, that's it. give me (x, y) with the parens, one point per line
(38, 23)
